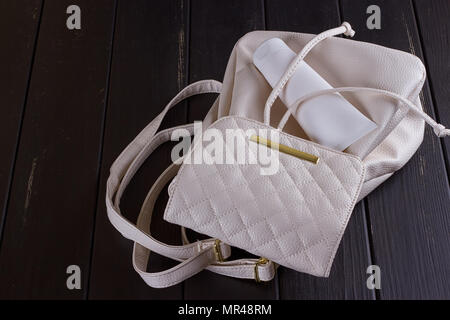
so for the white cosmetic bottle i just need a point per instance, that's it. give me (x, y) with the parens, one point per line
(329, 120)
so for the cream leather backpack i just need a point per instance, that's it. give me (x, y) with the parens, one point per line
(297, 216)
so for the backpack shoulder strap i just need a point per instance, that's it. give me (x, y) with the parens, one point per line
(124, 168)
(194, 257)
(211, 260)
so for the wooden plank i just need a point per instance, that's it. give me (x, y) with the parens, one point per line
(215, 28)
(148, 69)
(409, 212)
(434, 26)
(348, 276)
(49, 219)
(19, 23)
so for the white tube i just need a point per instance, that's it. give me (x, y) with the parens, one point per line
(329, 120)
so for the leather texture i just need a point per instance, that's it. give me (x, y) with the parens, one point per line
(295, 217)
(193, 257)
(342, 63)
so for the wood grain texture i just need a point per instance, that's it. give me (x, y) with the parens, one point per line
(215, 28)
(148, 69)
(409, 212)
(434, 26)
(19, 22)
(348, 276)
(49, 219)
(72, 100)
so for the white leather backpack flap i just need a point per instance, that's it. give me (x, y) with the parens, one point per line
(343, 63)
(294, 216)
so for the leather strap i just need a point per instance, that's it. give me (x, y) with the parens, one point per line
(203, 257)
(194, 257)
(242, 268)
(124, 168)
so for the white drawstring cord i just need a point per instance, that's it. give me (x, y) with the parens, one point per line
(350, 32)
(438, 128)
(345, 29)
(441, 131)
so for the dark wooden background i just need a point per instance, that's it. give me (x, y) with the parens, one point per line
(70, 101)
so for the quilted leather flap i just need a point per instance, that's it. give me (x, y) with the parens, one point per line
(294, 217)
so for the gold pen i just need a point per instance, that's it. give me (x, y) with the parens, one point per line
(285, 149)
